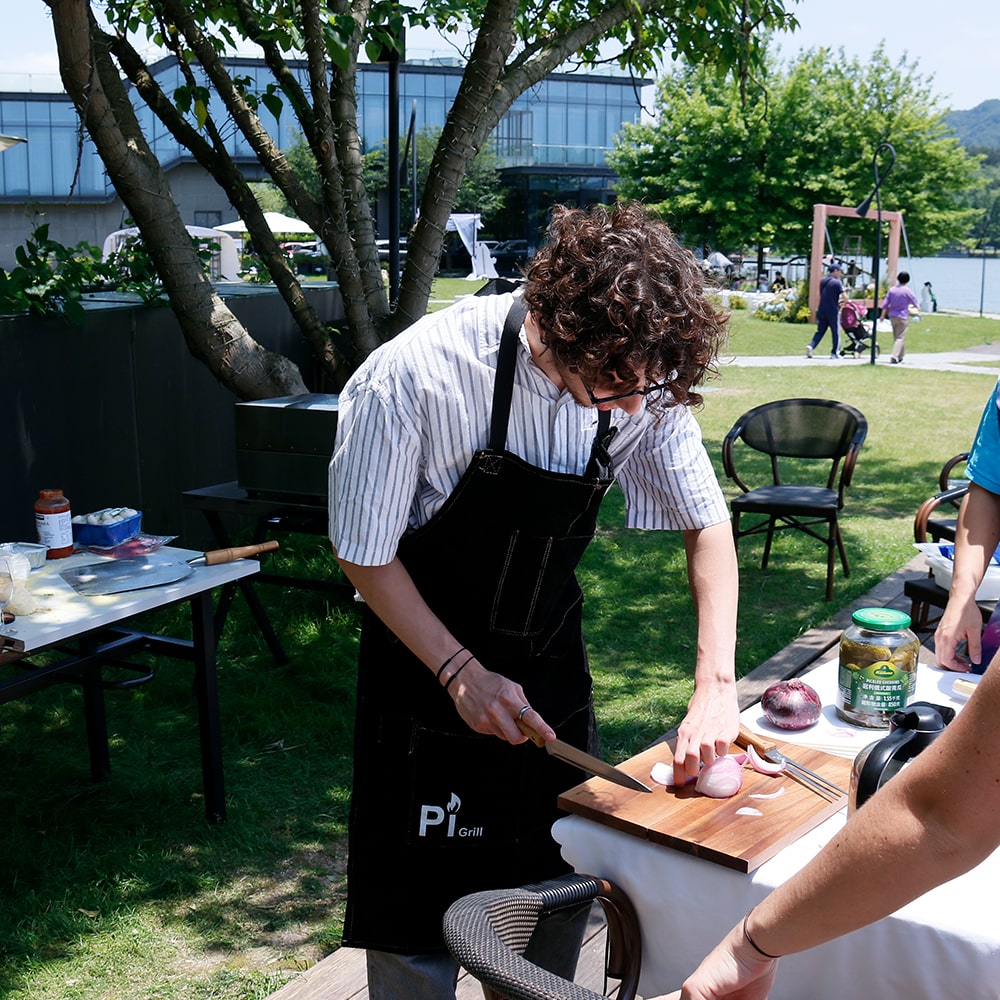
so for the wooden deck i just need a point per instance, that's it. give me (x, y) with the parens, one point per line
(342, 975)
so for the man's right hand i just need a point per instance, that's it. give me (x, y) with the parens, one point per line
(491, 704)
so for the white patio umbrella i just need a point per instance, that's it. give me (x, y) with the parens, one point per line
(276, 222)
(6, 141)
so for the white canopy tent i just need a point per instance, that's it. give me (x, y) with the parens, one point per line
(276, 222)
(225, 261)
(467, 227)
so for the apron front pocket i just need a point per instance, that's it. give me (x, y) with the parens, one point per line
(464, 792)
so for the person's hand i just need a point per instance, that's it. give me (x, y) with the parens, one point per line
(961, 623)
(491, 704)
(733, 971)
(710, 725)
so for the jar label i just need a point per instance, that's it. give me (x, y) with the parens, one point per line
(882, 686)
(54, 530)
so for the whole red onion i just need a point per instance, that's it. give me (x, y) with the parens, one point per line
(791, 704)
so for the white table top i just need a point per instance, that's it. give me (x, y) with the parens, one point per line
(62, 613)
(945, 944)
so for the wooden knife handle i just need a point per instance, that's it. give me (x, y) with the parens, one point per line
(748, 738)
(530, 733)
(216, 556)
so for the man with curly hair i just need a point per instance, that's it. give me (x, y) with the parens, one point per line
(472, 455)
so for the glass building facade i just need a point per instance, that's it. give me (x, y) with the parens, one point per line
(551, 144)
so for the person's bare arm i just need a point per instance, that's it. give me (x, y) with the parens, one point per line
(712, 718)
(934, 821)
(488, 702)
(976, 538)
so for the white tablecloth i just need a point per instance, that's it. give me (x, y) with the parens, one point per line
(944, 945)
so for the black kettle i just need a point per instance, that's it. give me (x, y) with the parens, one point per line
(910, 730)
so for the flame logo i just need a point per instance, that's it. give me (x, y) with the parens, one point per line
(454, 803)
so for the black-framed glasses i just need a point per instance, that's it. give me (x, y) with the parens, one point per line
(654, 388)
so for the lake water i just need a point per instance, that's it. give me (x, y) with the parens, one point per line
(958, 282)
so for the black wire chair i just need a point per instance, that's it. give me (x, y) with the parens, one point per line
(488, 932)
(799, 433)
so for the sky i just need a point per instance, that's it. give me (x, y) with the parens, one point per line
(957, 46)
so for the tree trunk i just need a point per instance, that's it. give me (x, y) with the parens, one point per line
(212, 333)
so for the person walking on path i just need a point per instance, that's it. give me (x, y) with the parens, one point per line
(827, 312)
(472, 454)
(896, 305)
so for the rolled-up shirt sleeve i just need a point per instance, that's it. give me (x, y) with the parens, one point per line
(668, 480)
(373, 473)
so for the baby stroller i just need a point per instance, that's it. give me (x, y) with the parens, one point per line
(858, 336)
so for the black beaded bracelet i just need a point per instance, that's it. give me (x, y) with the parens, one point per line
(753, 944)
(440, 670)
(447, 683)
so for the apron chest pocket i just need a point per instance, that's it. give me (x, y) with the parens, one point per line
(536, 574)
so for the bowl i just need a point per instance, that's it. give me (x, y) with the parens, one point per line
(107, 535)
(34, 551)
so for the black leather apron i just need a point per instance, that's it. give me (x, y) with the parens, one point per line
(438, 811)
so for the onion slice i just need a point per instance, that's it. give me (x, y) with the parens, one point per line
(663, 774)
(767, 795)
(758, 763)
(748, 811)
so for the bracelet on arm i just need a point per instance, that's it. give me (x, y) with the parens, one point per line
(440, 670)
(447, 683)
(753, 944)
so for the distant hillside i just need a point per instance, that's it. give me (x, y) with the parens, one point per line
(979, 126)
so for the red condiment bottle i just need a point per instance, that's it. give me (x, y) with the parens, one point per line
(54, 523)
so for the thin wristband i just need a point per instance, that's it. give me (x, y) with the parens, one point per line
(440, 671)
(447, 683)
(753, 944)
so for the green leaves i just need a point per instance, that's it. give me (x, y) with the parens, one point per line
(50, 278)
(734, 174)
(193, 100)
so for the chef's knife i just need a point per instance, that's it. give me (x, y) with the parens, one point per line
(584, 761)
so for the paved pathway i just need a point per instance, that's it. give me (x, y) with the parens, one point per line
(982, 360)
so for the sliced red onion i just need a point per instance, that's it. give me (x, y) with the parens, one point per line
(748, 811)
(721, 779)
(767, 795)
(663, 774)
(758, 763)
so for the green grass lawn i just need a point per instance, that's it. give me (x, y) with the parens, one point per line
(119, 891)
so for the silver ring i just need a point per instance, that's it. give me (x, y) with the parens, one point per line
(520, 715)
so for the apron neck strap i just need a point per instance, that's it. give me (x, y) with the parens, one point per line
(503, 386)
(503, 394)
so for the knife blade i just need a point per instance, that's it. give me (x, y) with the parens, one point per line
(585, 761)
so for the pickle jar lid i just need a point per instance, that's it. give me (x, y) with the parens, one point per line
(881, 619)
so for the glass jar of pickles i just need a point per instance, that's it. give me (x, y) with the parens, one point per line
(878, 667)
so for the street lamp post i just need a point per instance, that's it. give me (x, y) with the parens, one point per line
(862, 210)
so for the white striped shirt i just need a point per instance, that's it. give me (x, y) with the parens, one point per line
(411, 418)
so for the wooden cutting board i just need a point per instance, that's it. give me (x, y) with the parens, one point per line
(710, 828)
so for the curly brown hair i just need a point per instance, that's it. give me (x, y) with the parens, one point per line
(614, 294)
